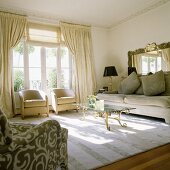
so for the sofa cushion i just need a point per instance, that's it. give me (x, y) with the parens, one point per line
(162, 101)
(167, 84)
(66, 100)
(140, 88)
(130, 84)
(153, 84)
(118, 98)
(5, 130)
(34, 103)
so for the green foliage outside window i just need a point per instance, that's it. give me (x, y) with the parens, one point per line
(18, 80)
(20, 48)
(52, 81)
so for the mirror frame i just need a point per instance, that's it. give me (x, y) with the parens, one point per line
(143, 50)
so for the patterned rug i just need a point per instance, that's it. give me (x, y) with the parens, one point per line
(90, 145)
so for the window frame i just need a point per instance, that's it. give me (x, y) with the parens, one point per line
(43, 65)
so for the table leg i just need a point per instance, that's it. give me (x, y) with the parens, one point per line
(107, 119)
(119, 119)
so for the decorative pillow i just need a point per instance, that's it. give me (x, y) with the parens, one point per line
(130, 84)
(5, 131)
(140, 88)
(153, 84)
(167, 84)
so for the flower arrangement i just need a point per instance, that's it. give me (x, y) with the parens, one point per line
(91, 101)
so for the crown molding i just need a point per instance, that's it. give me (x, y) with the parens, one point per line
(52, 19)
(141, 12)
(32, 15)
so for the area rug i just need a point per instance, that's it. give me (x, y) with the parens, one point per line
(91, 145)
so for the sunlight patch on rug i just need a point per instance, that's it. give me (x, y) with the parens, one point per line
(91, 145)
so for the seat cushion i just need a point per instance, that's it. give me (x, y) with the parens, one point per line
(34, 103)
(66, 100)
(162, 101)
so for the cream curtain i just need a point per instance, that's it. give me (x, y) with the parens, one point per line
(166, 57)
(78, 39)
(12, 29)
(136, 61)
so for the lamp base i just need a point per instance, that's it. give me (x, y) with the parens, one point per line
(110, 84)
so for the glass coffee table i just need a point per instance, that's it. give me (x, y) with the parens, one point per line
(107, 112)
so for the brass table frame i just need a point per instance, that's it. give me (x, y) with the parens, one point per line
(107, 114)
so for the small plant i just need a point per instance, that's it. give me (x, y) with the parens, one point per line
(91, 101)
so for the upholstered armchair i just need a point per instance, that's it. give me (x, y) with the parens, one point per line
(63, 99)
(33, 102)
(33, 147)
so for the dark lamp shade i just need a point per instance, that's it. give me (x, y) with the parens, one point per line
(131, 69)
(110, 71)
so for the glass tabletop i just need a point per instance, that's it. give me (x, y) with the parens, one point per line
(105, 108)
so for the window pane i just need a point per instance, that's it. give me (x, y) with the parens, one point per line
(152, 64)
(18, 74)
(144, 65)
(34, 56)
(18, 53)
(52, 78)
(65, 79)
(51, 57)
(35, 78)
(159, 63)
(64, 57)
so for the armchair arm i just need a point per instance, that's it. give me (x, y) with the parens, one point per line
(45, 97)
(22, 102)
(43, 94)
(34, 133)
(54, 100)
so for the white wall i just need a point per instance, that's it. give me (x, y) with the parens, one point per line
(111, 46)
(100, 40)
(153, 26)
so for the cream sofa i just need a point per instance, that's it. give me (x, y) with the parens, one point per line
(149, 103)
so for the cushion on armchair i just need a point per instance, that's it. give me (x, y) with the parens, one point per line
(5, 130)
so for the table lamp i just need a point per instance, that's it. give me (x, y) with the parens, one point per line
(110, 72)
(131, 69)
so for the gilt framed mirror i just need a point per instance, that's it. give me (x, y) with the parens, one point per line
(152, 58)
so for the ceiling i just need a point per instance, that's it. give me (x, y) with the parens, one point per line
(100, 13)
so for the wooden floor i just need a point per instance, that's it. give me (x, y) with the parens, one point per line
(155, 159)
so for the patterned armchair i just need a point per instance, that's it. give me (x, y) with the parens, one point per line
(33, 147)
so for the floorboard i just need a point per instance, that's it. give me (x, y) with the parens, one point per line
(155, 159)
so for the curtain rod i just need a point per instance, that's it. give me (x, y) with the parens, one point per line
(13, 13)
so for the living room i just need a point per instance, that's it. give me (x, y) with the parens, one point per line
(137, 25)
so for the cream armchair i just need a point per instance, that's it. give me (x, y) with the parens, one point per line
(33, 102)
(63, 99)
